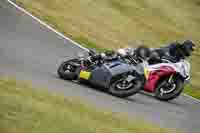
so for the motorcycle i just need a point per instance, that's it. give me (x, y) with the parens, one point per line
(115, 76)
(165, 78)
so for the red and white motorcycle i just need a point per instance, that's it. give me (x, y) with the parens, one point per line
(167, 80)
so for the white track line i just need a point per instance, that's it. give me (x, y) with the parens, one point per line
(46, 25)
(194, 99)
(60, 34)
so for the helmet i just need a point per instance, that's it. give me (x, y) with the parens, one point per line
(143, 52)
(122, 52)
(187, 47)
(155, 55)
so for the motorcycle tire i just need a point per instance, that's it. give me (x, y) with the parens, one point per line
(123, 93)
(71, 75)
(170, 96)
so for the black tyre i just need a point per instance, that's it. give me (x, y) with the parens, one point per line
(166, 91)
(121, 89)
(67, 71)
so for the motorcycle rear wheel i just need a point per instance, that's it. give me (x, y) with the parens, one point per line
(129, 90)
(67, 71)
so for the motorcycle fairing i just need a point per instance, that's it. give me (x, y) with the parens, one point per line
(184, 67)
(84, 75)
(102, 75)
(154, 73)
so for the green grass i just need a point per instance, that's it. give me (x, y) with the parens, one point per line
(27, 110)
(113, 24)
(193, 92)
(86, 43)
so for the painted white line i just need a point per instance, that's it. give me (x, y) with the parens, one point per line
(62, 35)
(46, 25)
(194, 99)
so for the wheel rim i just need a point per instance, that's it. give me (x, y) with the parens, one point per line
(167, 88)
(68, 68)
(123, 85)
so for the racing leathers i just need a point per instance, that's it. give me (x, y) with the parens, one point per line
(154, 55)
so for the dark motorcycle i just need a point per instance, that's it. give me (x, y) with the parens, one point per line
(115, 76)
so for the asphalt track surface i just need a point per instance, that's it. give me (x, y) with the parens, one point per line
(31, 52)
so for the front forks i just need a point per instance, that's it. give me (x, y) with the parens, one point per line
(169, 83)
(170, 79)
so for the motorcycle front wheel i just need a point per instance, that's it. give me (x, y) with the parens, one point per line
(166, 91)
(121, 88)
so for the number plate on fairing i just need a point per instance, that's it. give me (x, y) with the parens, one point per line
(85, 75)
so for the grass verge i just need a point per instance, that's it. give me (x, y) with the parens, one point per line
(192, 92)
(26, 110)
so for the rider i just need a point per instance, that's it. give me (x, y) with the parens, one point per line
(177, 51)
(174, 51)
(108, 55)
